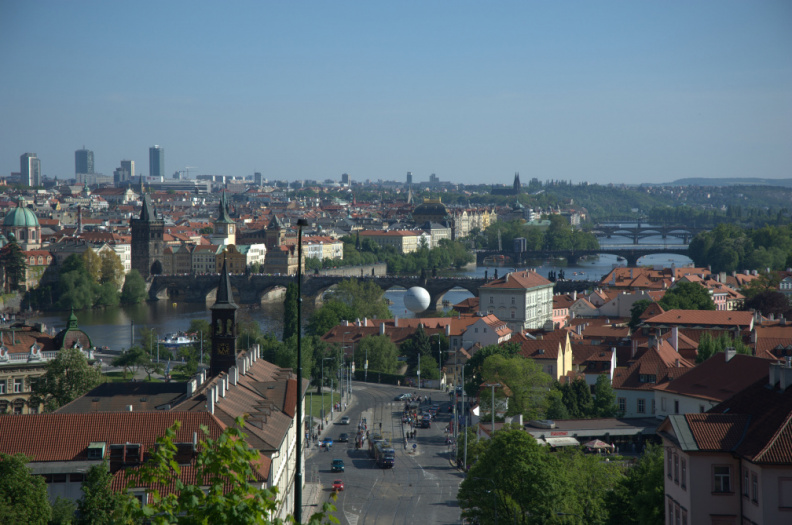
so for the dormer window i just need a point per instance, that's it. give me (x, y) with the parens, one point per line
(96, 450)
(648, 378)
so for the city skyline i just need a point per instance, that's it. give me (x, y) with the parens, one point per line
(601, 92)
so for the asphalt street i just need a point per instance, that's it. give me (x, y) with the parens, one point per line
(420, 489)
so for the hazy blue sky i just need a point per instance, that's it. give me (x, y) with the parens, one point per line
(623, 92)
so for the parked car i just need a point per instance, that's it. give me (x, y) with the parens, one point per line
(343, 437)
(344, 420)
(338, 485)
(337, 465)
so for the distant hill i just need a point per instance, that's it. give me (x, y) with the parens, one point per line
(747, 181)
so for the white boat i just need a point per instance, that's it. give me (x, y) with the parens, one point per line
(176, 340)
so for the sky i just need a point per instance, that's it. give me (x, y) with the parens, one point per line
(599, 91)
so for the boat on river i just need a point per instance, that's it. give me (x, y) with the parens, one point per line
(497, 260)
(176, 340)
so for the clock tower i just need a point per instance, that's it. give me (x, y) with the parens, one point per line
(224, 330)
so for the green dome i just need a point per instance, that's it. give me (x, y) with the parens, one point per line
(21, 217)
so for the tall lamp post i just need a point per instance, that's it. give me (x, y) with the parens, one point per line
(331, 388)
(439, 360)
(493, 385)
(298, 475)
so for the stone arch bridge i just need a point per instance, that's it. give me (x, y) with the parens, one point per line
(253, 289)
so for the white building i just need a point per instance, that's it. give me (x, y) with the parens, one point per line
(524, 300)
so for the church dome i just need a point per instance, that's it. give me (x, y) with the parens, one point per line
(436, 209)
(21, 217)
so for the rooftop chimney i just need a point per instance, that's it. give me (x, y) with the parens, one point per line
(729, 353)
(382, 329)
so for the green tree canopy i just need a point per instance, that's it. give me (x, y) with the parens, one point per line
(93, 263)
(134, 289)
(23, 496)
(68, 376)
(99, 504)
(13, 261)
(687, 296)
(604, 397)
(638, 498)
(637, 310)
(382, 354)
(112, 269)
(524, 378)
(290, 321)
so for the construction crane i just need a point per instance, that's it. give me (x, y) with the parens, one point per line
(187, 170)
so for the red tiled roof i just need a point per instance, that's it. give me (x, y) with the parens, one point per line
(65, 437)
(703, 318)
(519, 280)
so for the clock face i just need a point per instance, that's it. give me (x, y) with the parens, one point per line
(223, 349)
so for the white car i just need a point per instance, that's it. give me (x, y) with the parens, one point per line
(344, 420)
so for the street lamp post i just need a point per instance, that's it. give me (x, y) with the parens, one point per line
(331, 389)
(298, 475)
(439, 360)
(493, 385)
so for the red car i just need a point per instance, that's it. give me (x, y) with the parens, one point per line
(338, 485)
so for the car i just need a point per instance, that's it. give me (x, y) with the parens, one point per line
(402, 397)
(327, 442)
(338, 485)
(343, 438)
(344, 420)
(337, 465)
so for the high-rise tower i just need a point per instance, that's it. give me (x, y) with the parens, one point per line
(147, 242)
(156, 161)
(224, 330)
(30, 169)
(83, 161)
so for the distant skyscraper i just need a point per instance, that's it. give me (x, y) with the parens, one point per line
(409, 177)
(30, 169)
(156, 161)
(345, 179)
(129, 167)
(257, 178)
(83, 161)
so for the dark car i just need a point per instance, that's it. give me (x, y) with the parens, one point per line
(337, 465)
(343, 438)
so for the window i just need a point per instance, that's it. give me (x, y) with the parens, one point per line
(669, 454)
(676, 407)
(622, 405)
(670, 512)
(755, 487)
(653, 406)
(676, 469)
(721, 475)
(663, 404)
(684, 517)
(642, 406)
(745, 483)
(683, 475)
(492, 300)
(2, 387)
(19, 404)
(18, 385)
(513, 300)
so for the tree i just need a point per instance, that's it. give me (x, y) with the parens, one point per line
(382, 354)
(709, 346)
(637, 499)
(328, 316)
(63, 510)
(473, 377)
(131, 359)
(687, 296)
(366, 299)
(23, 496)
(75, 287)
(93, 263)
(290, 322)
(68, 376)
(768, 303)
(112, 269)
(604, 398)
(636, 311)
(222, 492)
(203, 333)
(529, 483)
(13, 260)
(524, 378)
(134, 290)
(429, 368)
(99, 504)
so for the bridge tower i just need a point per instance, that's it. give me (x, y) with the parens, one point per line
(147, 243)
(224, 226)
(275, 233)
(224, 329)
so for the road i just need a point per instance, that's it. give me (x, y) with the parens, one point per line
(420, 489)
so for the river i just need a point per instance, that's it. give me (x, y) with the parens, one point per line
(112, 327)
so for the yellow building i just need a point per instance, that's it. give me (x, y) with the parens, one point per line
(236, 261)
(405, 241)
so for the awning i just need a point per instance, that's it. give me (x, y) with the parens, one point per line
(561, 441)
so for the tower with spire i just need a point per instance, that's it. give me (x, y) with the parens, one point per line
(224, 225)
(224, 326)
(147, 242)
(275, 233)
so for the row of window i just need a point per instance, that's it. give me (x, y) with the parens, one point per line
(679, 471)
(17, 386)
(676, 515)
(751, 486)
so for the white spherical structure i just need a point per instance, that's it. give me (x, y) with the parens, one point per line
(416, 299)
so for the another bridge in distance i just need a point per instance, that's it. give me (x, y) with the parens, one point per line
(638, 231)
(631, 252)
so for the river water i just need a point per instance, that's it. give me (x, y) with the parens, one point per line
(113, 327)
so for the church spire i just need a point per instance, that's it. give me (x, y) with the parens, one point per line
(225, 297)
